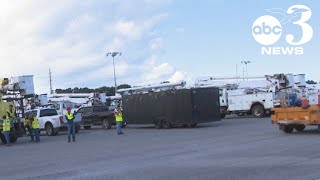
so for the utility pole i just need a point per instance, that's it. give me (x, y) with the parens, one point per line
(114, 54)
(246, 64)
(50, 81)
(236, 70)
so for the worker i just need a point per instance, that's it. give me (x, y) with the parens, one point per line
(12, 114)
(27, 123)
(119, 120)
(35, 128)
(71, 125)
(6, 126)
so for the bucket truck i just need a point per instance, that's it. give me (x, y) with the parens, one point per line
(12, 92)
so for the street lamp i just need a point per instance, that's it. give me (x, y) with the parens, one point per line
(246, 63)
(114, 54)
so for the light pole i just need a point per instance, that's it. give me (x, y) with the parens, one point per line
(114, 54)
(245, 63)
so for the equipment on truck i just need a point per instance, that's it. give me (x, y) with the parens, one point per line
(12, 93)
(168, 105)
(295, 111)
(253, 97)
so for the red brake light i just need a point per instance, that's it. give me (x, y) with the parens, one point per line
(61, 120)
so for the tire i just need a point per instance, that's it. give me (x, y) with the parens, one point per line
(258, 111)
(77, 129)
(124, 125)
(50, 130)
(300, 128)
(288, 129)
(13, 139)
(166, 124)
(223, 116)
(158, 125)
(193, 125)
(106, 124)
(87, 127)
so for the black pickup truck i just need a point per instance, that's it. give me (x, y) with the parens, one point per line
(97, 116)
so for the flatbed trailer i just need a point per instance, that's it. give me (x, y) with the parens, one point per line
(296, 118)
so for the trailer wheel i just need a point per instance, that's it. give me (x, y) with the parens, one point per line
(300, 128)
(158, 125)
(166, 124)
(258, 111)
(223, 115)
(288, 129)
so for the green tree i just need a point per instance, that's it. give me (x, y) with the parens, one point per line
(311, 82)
(104, 89)
(124, 86)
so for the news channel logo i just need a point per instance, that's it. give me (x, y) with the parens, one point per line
(267, 30)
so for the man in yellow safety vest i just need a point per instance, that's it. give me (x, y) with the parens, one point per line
(119, 120)
(12, 114)
(6, 126)
(35, 126)
(71, 125)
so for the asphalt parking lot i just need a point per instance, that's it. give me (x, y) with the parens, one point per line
(237, 148)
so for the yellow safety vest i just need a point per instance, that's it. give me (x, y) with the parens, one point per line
(11, 114)
(6, 124)
(119, 117)
(69, 116)
(35, 123)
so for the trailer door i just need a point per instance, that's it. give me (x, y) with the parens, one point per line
(206, 105)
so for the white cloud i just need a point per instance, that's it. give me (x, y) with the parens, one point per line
(180, 30)
(72, 37)
(156, 44)
(178, 76)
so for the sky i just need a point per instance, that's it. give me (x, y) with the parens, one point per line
(160, 40)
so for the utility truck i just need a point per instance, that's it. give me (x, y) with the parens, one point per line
(255, 98)
(12, 93)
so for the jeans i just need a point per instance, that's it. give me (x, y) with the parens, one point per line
(36, 134)
(31, 133)
(7, 136)
(119, 125)
(71, 131)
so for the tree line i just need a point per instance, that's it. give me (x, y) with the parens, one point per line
(311, 82)
(108, 90)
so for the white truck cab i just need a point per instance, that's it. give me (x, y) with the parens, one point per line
(51, 121)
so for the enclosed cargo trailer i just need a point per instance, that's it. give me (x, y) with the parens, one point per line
(172, 107)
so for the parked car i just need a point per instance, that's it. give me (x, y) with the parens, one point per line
(52, 122)
(97, 115)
